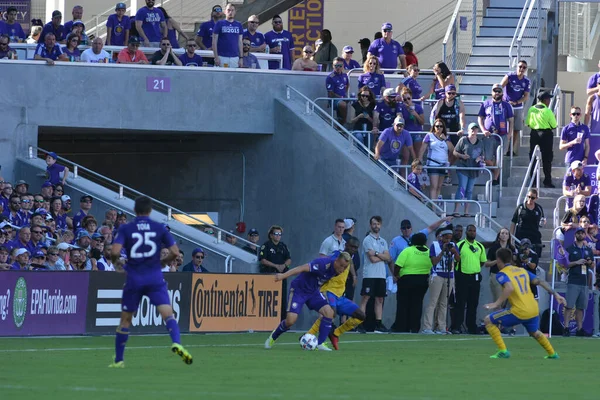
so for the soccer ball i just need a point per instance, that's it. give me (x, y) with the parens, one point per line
(308, 342)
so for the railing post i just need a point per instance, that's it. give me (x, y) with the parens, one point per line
(538, 56)
(288, 94)
(444, 52)
(474, 24)
(120, 193)
(30, 152)
(97, 25)
(307, 107)
(75, 171)
(454, 45)
(169, 214)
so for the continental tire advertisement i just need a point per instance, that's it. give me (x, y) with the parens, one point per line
(104, 304)
(234, 303)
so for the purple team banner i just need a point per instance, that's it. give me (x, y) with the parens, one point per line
(305, 22)
(588, 315)
(591, 170)
(43, 303)
(23, 11)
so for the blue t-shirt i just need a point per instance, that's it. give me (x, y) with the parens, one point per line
(60, 32)
(410, 122)
(74, 55)
(516, 88)
(206, 32)
(594, 81)
(400, 243)
(53, 173)
(496, 115)
(142, 239)
(151, 20)
(228, 43)
(351, 65)
(337, 83)
(117, 28)
(387, 114)
(413, 179)
(392, 143)
(414, 86)
(53, 54)
(569, 133)
(387, 53)
(256, 40)
(14, 31)
(273, 39)
(69, 27)
(373, 81)
(187, 61)
(77, 220)
(321, 270)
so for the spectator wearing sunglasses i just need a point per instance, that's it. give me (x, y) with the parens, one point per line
(132, 53)
(257, 39)
(150, 24)
(165, 56)
(517, 87)
(349, 63)
(117, 26)
(249, 59)
(205, 33)
(190, 58)
(196, 264)
(468, 281)
(373, 78)
(392, 141)
(411, 82)
(227, 40)
(387, 50)
(306, 63)
(527, 220)
(281, 42)
(337, 87)
(575, 138)
(274, 257)
(364, 107)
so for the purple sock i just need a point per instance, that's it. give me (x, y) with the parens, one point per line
(324, 329)
(120, 341)
(280, 329)
(173, 329)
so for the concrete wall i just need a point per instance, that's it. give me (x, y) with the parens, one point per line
(576, 82)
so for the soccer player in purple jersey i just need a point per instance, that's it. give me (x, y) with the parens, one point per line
(305, 289)
(142, 239)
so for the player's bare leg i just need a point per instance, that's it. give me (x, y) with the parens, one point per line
(121, 339)
(166, 312)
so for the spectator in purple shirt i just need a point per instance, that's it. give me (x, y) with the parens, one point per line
(227, 40)
(117, 26)
(593, 86)
(150, 24)
(517, 89)
(413, 117)
(23, 240)
(443, 78)
(190, 58)
(172, 28)
(205, 33)
(576, 182)
(391, 141)
(49, 51)
(85, 204)
(349, 63)
(411, 82)
(337, 87)
(53, 170)
(575, 138)
(13, 214)
(387, 50)
(21, 259)
(386, 110)
(281, 42)
(373, 78)
(77, 14)
(196, 264)
(11, 27)
(4, 265)
(257, 39)
(6, 53)
(250, 60)
(496, 116)
(71, 50)
(55, 27)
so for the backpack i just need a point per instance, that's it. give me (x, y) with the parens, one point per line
(557, 326)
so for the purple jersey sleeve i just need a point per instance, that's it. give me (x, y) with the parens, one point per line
(481, 112)
(592, 82)
(120, 236)
(432, 251)
(167, 239)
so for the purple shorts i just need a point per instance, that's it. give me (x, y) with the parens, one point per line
(132, 295)
(314, 301)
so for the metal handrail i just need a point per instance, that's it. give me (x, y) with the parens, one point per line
(518, 29)
(479, 222)
(121, 188)
(451, 30)
(311, 107)
(555, 105)
(557, 208)
(533, 171)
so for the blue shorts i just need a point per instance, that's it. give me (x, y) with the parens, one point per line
(507, 319)
(341, 305)
(132, 295)
(336, 103)
(296, 299)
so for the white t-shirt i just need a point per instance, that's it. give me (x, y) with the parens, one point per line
(331, 244)
(108, 266)
(437, 151)
(91, 57)
(378, 269)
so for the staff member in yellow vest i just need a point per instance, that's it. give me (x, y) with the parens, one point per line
(542, 122)
(468, 281)
(412, 267)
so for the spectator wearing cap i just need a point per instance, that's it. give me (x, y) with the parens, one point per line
(469, 152)
(95, 54)
(337, 87)
(55, 27)
(196, 264)
(402, 241)
(253, 237)
(305, 63)
(54, 170)
(21, 187)
(190, 58)
(372, 76)
(53, 261)
(117, 26)
(97, 241)
(349, 63)
(387, 50)
(4, 265)
(280, 41)
(132, 53)
(38, 259)
(274, 257)
(11, 28)
(85, 204)
(517, 87)
(411, 57)
(14, 216)
(326, 52)
(257, 39)
(47, 190)
(84, 239)
(364, 48)
(78, 30)
(204, 35)
(575, 138)
(576, 181)
(442, 78)
(227, 40)
(77, 14)
(451, 110)
(386, 111)
(21, 256)
(249, 59)
(496, 116)
(38, 218)
(349, 228)
(542, 122)
(581, 263)
(49, 51)
(150, 24)
(66, 202)
(391, 141)
(7, 231)
(335, 241)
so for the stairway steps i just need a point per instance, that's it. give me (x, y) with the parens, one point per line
(484, 40)
(500, 21)
(497, 31)
(518, 4)
(503, 12)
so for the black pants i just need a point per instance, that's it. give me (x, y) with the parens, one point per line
(349, 292)
(409, 302)
(543, 138)
(467, 293)
(284, 299)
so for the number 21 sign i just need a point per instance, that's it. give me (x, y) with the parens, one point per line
(158, 84)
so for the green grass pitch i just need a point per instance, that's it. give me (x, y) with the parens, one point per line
(236, 366)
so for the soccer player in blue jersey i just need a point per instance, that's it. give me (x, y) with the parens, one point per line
(305, 289)
(523, 309)
(142, 239)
